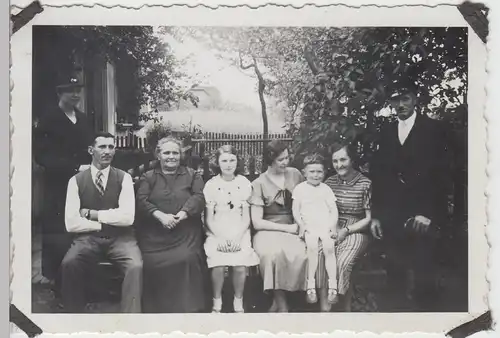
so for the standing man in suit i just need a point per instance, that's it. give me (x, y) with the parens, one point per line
(410, 196)
(60, 144)
(100, 211)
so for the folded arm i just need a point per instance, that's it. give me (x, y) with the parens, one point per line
(125, 213)
(73, 219)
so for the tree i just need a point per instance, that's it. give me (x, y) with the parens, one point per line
(138, 49)
(357, 65)
(332, 81)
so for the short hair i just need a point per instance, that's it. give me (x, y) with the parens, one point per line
(228, 149)
(351, 150)
(274, 149)
(314, 159)
(169, 139)
(98, 134)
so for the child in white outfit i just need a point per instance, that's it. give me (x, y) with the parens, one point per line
(315, 212)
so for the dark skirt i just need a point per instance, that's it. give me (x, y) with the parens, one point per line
(175, 276)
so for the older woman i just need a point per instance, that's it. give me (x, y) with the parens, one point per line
(170, 199)
(353, 192)
(282, 253)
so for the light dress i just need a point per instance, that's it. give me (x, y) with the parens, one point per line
(283, 259)
(228, 199)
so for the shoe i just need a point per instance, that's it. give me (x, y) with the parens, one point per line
(311, 296)
(238, 305)
(217, 305)
(333, 296)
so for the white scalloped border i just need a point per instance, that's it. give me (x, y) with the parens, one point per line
(491, 115)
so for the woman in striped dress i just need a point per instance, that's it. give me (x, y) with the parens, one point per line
(353, 192)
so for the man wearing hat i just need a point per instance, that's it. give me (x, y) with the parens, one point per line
(410, 196)
(60, 146)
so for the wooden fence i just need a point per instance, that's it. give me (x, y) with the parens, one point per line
(250, 149)
(246, 144)
(130, 141)
(250, 144)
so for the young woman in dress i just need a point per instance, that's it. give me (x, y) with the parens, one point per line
(353, 192)
(282, 253)
(227, 219)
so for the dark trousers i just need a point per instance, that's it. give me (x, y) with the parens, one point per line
(55, 239)
(407, 251)
(85, 253)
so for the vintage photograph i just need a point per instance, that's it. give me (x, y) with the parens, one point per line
(215, 169)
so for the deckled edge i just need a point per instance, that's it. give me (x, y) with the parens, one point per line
(249, 6)
(491, 195)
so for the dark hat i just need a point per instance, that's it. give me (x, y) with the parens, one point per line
(69, 84)
(402, 86)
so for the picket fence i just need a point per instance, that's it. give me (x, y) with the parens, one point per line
(250, 144)
(250, 148)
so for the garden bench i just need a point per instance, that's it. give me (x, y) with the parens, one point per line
(368, 272)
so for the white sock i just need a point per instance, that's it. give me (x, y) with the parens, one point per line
(238, 304)
(311, 283)
(217, 303)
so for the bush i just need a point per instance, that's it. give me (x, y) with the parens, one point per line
(126, 159)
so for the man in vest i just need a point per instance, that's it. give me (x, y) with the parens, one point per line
(409, 203)
(100, 209)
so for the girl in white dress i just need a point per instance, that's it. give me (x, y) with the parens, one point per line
(228, 226)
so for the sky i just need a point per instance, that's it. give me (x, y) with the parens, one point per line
(202, 66)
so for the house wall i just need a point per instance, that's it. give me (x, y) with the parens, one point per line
(109, 111)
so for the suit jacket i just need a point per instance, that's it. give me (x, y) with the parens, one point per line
(60, 146)
(411, 179)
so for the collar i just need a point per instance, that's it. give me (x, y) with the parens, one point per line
(94, 170)
(181, 170)
(409, 121)
(352, 181)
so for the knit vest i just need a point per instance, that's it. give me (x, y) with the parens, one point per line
(91, 198)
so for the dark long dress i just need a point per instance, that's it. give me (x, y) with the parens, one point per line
(174, 264)
(60, 147)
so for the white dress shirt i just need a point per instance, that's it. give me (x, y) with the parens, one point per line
(121, 216)
(405, 126)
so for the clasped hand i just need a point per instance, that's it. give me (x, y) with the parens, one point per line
(170, 221)
(228, 246)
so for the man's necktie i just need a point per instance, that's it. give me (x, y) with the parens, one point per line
(98, 182)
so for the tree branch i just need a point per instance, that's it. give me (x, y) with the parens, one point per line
(247, 66)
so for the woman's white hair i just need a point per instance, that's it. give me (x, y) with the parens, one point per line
(170, 139)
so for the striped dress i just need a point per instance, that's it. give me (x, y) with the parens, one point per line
(353, 199)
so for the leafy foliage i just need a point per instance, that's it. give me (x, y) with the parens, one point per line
(135, 46)
(333, 82)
